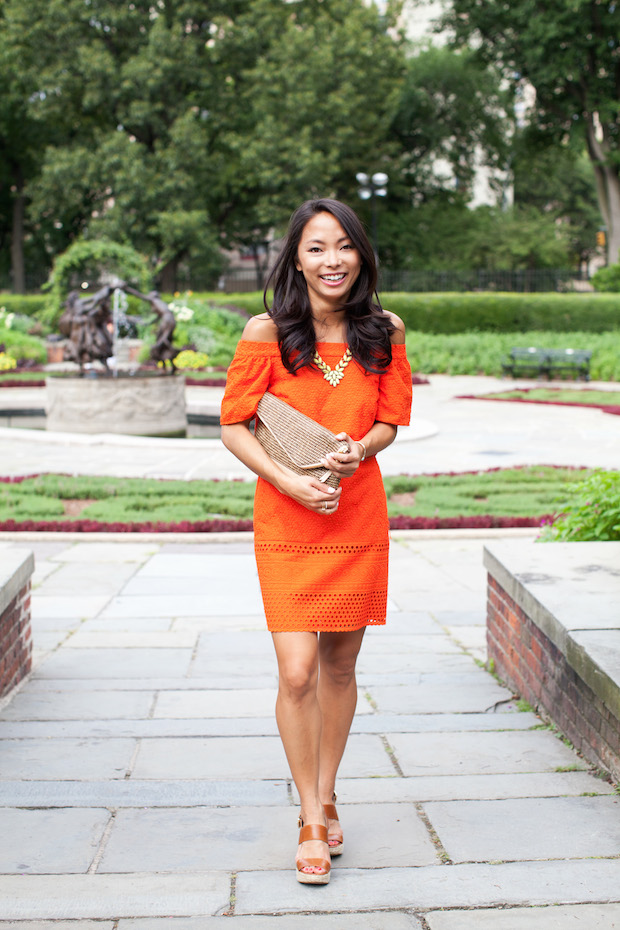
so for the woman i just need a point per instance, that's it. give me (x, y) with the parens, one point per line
(328, 350)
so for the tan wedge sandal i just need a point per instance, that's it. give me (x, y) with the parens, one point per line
(332, 814)
(312, 831)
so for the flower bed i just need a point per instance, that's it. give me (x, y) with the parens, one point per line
(614, 409)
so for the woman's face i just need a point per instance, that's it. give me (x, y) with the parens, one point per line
(328, 260)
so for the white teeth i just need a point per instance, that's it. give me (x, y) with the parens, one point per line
(332, 277)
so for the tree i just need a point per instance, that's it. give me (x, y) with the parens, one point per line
(450, 122)
(557, 179)
(570, 53)
(307, 111)
(182, 125)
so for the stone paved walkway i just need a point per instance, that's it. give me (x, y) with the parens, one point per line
(143, 785)
(445, 435)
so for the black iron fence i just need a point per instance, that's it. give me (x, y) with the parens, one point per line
(243, 280)
(526, 280)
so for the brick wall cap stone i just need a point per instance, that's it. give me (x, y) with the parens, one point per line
(16, 568)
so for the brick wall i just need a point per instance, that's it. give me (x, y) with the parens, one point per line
(15, 641)
(538, 671)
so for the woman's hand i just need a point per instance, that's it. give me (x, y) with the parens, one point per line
(309, 492)
(344, 464)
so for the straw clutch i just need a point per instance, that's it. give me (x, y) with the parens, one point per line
(295, 440)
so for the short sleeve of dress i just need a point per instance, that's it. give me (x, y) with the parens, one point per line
(395, 391)
(247, 380)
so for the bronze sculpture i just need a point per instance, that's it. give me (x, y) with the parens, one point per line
(88, 325)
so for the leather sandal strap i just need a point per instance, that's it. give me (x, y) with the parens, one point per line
(323, 864)
(330, 811)
(313, 831)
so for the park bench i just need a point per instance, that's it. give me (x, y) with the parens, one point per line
(538, 363)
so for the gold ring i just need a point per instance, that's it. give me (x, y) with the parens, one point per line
(325, 506)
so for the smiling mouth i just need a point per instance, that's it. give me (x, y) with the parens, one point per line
(333, 278)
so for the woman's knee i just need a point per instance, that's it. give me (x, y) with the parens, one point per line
(297, 680)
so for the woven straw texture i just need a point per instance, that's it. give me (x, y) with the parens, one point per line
(295, 440)
(322, 572)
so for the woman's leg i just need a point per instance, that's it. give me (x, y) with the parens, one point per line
(299, 721)
(337, 694)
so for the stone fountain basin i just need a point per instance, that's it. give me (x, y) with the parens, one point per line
(140, 404)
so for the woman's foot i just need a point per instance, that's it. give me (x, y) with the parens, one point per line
(312, 861)
(335, 839)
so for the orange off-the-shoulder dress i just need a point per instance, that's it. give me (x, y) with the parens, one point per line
(322, 573)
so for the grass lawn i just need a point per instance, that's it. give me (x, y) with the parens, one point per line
(579, 396)
(518, 492)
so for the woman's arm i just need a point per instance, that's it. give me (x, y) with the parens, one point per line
(309, 492)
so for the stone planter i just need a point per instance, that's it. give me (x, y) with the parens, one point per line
(142, 404)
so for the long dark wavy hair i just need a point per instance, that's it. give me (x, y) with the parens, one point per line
(368, 327)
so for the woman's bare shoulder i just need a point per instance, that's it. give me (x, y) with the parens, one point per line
(260, 328)
(398, 335)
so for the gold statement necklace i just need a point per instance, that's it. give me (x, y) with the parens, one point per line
(335, 375)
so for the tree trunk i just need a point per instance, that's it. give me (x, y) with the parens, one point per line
(607, 188)
(168, 277)
(257, 266)
(18, 275)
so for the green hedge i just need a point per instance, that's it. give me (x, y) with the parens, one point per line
(28, 304)
(486, 311)
(505, 313)
(447, 313)
(479, 353)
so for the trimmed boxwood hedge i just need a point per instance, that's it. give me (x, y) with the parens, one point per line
(28, 304)
(504, 313)
(446, 313)
(485, 311)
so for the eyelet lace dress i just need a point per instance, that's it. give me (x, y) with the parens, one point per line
(322, 573)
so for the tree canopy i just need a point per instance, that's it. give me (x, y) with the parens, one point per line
(569, 51)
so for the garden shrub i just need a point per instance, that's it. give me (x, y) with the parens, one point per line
(455, 312)
(473, 353)
(607, 279)
(590, 512)
(31, 305)
(85, 260)
(20, 346)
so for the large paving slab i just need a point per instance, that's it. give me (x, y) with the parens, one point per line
(367, 921)
(177, 840)
(116, 663)
(481, 753)
(469, 787)
(184, 605)
(527, 828)
(503, 717)
(143, 794)
(78, 579)
(96, 705)
(102, 552)
(470, 885)
(48, 897)
(50, 841)
(438, 692)
(249, 757)
(58, 925)
(123, 639)
(206, 564)
(249, 702)
(139, 728)
(58, 606)
(578, 916)
(46, 759)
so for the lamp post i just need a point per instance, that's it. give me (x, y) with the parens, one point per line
(371, 187)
